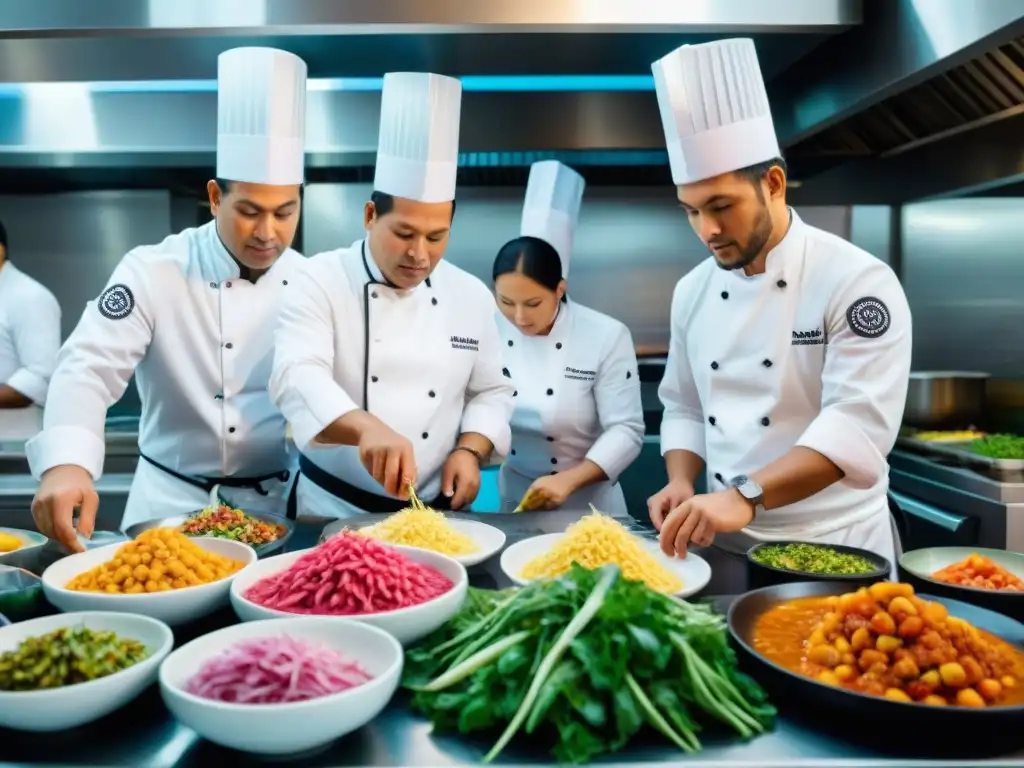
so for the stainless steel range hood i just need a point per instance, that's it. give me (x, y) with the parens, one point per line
(78, 40)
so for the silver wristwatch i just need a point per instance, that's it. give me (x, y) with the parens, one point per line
(750, 491)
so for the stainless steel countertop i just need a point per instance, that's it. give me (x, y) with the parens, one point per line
(144, 734)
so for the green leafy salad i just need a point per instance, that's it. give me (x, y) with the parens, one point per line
(999, 446)
(583, 661)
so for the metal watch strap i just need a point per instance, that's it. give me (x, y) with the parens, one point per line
(745, 486)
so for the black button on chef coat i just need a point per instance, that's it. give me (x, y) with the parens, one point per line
(711, 420)
(432, 393)
(513, 451)
(425, 435)
(781, 283)
(554, 460)
(765, 421)
(510, 342)
(718, 477)
(725, 294)
(551, 391)
(766, 363)
(550, 439)
(558, 345)
(714, 366)
(433, 301)
(373, 378)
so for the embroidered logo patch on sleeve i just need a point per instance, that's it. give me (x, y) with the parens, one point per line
(117, 302)
(868, 317)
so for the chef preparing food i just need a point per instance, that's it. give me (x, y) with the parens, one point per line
(387, 364)
(578, 421)
(193, 319)
(790, 347)
(29, 336)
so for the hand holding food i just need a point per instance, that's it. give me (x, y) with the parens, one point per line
(388, 457)
(667, 499)
(460, 478)
(700, 518)
(159, 560)
(548, 492)
(62, 490)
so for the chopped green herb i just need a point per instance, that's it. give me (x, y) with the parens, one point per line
(813, 558)
(67, 656)
(582, 663)
(999, 446)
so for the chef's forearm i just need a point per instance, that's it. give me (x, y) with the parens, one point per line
(684, 466)
(12, 398)
(478, 444)
(798, 475)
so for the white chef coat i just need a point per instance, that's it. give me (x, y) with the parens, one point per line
(577, 397)
(199, 340)
(432, 372)
(815, 352)
(29, 333)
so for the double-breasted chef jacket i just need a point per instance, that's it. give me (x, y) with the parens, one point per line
(199, 340)
(29, 333)
(426, 361)
(577, 398)
(814, 352)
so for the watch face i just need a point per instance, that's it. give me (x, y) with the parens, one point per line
(747, 488)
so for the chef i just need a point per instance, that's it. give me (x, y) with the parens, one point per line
(387, 364)
(578, 421)
(790, 348)
(29, 336)
(193, 319)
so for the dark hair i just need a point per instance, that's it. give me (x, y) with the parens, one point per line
(383, 203)
(754, 173)
(224, 185)
(533, 257)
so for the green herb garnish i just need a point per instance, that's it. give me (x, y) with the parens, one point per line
(67, 656)
(999, 446)
(583, 661)
(813, 558)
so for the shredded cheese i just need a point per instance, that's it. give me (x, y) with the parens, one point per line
(597, 540)
(420, 526)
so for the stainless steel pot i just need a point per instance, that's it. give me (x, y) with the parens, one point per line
(945, 399)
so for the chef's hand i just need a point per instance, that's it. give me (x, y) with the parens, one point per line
(700, 518)
(62, 490)
(548, 492)
(460, 478)
(667, 499)
(388, 457)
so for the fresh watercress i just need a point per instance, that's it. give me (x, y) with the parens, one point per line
(584, 660)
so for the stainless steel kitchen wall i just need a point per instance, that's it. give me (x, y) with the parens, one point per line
(631, 246)
(963, 277)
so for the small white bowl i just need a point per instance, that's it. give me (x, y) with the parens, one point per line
(177, 606)
(407, 624)
(31, 541)
(280, 729)
(693, 570)
(488, 539)
(57, 709)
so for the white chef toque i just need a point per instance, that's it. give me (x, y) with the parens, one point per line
(552, 207)
(714, 109)
(418, 145)
(261, 116)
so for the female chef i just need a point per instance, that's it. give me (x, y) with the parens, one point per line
(578, 421)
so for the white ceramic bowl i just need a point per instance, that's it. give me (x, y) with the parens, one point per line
(488, 539)
(57, 709)
(693, 570)
(406, 624)
(31, 542)
(177, 606)
(279, 729)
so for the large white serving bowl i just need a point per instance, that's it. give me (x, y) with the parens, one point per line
(279, 729)
(177, 606)
(693, 570)
(407, 624)
(488, 539)
(57, 709)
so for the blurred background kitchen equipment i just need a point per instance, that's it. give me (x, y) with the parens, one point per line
(945, 399)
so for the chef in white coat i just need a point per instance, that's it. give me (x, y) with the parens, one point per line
(790, 347)
(578, 421)
(29, 339)
(193, 319)
(387, 364)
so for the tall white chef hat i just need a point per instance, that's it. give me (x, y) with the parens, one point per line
(418, 145)
(261, 116)
(714, 109)
(552, 207)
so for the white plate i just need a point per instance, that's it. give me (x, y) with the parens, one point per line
(407, 624)
(30, 542)
(177, 606)
(282, 729)
(693, 570)
(57, 709)
(488, 539)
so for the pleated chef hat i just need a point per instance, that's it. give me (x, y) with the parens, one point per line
(552, 207)
(418, 146)
(714, 109)
(261, 116)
